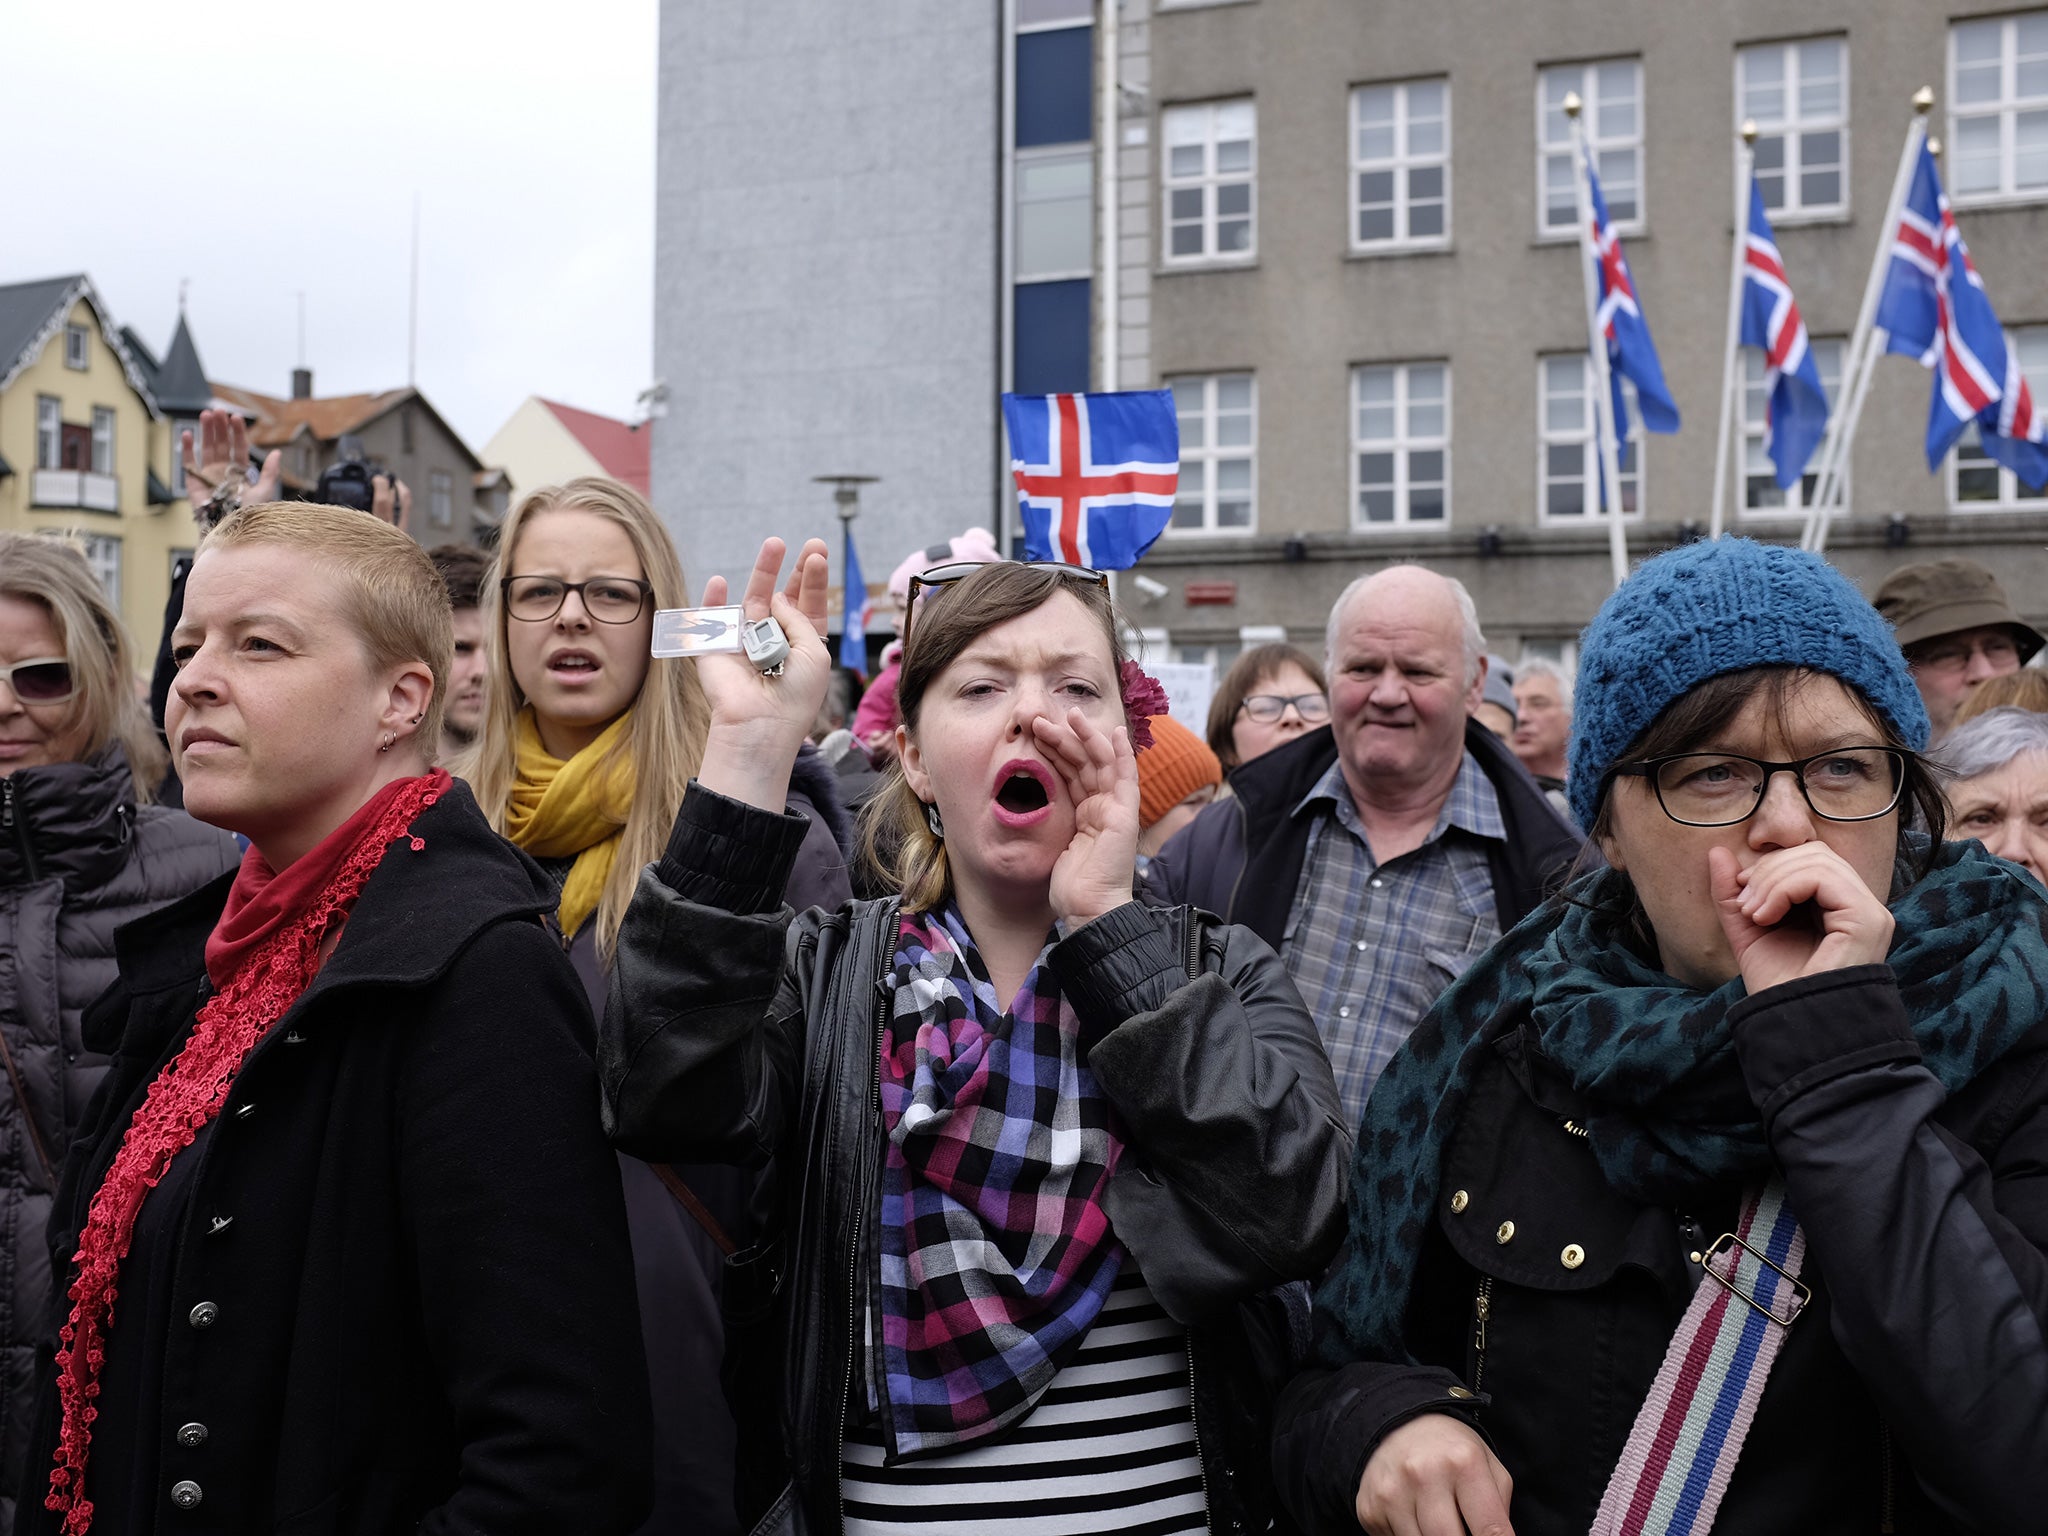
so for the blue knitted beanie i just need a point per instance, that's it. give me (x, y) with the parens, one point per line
(1719, 606)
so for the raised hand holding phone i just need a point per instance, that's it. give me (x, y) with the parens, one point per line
(758, 721)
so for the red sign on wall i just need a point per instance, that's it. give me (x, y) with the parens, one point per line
(1219, 594)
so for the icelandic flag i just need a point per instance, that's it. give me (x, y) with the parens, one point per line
(1096, 474)
(1934, 309)
(1796, 416)
(853, 630)
(1630, 352)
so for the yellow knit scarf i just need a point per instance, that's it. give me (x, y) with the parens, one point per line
(576, 807)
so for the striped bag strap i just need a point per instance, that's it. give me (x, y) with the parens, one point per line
(1675, 1467)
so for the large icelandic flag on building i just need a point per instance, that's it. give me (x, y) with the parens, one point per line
(1631, 354)
(1096, 474)
(853, 629)
(1796, 409)
(1934, 309)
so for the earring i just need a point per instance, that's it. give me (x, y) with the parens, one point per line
(416, 719)
(389, 742)
(931, 819)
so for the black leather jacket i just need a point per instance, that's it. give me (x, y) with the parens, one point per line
(738, 1031)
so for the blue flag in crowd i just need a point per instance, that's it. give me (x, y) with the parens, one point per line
(1934, 309)
(1796, 415)
(1096, 474)
(1631, 354)
(853, 631)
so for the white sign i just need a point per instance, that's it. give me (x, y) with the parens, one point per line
(1189, 686)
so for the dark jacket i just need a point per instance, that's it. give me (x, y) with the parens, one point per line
(78, 858)
(1911, 1395)
(739, 1031)
(1206, 863)
(405, 1220)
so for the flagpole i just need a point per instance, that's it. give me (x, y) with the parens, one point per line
(1596, 344)
(1731, 381)
(1831, 485)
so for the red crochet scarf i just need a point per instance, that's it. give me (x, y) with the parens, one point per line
(186, 1096)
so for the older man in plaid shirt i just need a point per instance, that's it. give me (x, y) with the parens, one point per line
(1382, 854)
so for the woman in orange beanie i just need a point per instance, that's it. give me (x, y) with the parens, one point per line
(1177, 776)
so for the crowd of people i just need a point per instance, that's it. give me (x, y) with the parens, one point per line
(465, 1074)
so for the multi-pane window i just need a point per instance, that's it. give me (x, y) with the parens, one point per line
(1759, 475)
(1975, 479)
(49, 432)
(103, 554)
(440, 498)
(178, 431)
(1401, 445)
(1055, 223)
(1208, 154)
(1613, 115)
(1998, 107)
(102, 440)
(1401, 164)
(77, 346)
(1217, 431)
(1797, 94)
(1570, 447)
(1219, 654)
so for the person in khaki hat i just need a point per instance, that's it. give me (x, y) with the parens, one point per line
(1957, 628)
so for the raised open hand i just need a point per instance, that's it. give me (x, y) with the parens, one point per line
(758, 722)
(1095, 873)
(223, 449)
(1797, 912)
(391, 502)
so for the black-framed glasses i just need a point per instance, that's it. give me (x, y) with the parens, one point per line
(608, 599)
(1266, 708)
(40, 680)
(1719, 789)
(960, 570)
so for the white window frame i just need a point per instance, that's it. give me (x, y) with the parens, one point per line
(1794, 504)
(440, 498)
(103, 554)
(1588, 88)
(49, 432)
(2007, 108)
(77, 347)
(102, 440)
(1218, 654)
(178, 431)
(1403, 446)
(1025, 158)
(1079, 14)
(1794, 123)
(1399, 166)
(2012, 496)
(1209, 181)
(1210, 454)
(1587, 439)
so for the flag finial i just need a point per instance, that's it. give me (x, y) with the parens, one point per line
(1923, 100)
(1571, 104)
(1749, 130)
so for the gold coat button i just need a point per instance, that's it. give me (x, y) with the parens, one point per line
(1459, 1200)
(1573, 1256)
(1504, 1232)
(1461, 1393)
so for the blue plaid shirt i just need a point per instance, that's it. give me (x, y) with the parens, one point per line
(1371, 945)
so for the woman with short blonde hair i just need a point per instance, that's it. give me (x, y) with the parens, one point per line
(353, 1095)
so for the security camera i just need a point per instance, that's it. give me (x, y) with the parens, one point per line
(1151, 590)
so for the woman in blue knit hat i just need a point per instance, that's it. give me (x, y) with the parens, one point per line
(1716, 1196)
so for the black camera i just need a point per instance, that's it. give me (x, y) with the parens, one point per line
(347, 481)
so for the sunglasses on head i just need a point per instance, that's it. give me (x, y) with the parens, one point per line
(40, 680)
(960, 570)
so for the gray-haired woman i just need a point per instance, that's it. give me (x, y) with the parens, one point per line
(81, 852)
(1999, 784)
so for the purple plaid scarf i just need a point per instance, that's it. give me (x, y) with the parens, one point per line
(996, 1254)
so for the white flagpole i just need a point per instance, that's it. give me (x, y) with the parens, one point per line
(1860, 361)
(1731, 377)
(1596, 344)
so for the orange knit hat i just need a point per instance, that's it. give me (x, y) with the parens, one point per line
(1176, 765)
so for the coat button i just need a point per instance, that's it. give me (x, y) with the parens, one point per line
(1462, 1394)
(186, 1495)
(1572, 1257)
(205, 1315)
(218, 1225)
(192, 1436)
(245, 1111)
(1459, 1200)
(1505, 1232)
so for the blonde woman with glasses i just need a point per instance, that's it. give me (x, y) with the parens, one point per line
(82, 850)
(586, 749)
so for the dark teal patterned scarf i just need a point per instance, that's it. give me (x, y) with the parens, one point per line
(1672, 1116)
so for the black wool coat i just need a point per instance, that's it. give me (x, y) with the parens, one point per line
(402, 1296)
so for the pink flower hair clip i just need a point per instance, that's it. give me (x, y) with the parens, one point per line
(1143, 698)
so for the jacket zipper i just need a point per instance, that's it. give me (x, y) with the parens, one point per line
(860, 1210)
(1194, 937)
(1201, 1465)
(1885, 1522)
(14, 822)
(1482, 1313)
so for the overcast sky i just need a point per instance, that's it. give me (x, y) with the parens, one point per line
(264, 150)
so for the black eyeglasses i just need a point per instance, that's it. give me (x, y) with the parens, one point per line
(1719, 789)
(608, 599)
(40, 680)
(1266, 708)
(960, 570)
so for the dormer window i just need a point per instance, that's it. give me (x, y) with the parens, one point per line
(77, 347)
